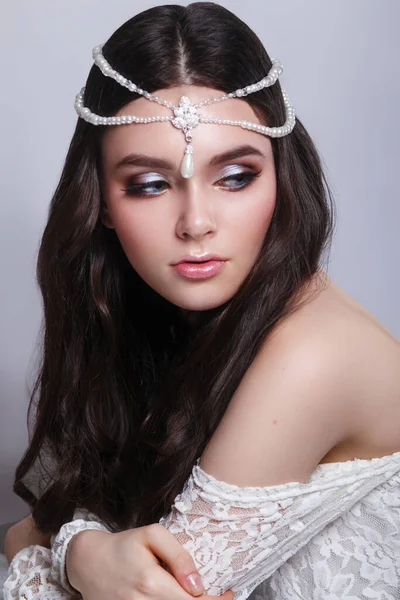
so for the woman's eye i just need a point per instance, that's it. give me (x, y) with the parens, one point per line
(141, 189)
(242, 179)
(234, 182)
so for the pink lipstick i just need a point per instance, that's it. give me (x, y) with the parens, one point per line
(199, 270)
(199, 267)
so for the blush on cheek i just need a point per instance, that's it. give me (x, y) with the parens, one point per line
(256, 226)
(130, 240)
(142, 248)
(258, 217)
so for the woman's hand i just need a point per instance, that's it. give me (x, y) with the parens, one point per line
(23, 534)
(134, 565)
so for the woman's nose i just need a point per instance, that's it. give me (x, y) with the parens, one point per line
(196, 219)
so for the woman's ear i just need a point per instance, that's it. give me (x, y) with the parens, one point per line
(105, 217)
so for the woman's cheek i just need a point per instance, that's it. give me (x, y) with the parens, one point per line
(255, 220)
(142, 244)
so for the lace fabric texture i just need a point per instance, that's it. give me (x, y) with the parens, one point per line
(29, 576)
(336, 536)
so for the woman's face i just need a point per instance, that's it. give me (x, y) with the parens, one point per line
(224, 209)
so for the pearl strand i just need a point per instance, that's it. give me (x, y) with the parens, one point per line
(275, 132)
(273, 75)
(107, 70)
(86, 114)
(185, 115)
(94, 119)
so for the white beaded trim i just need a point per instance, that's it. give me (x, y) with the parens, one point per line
(105, 67)
(186, 116)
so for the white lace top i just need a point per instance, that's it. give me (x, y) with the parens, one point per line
(336, 536)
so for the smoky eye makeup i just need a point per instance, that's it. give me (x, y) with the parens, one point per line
(232, 178)
(232, 170)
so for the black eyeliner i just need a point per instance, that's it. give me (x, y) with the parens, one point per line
(136, 189)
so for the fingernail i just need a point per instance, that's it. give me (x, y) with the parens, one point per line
(196, 587)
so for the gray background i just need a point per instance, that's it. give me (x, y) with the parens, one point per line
(341, 73)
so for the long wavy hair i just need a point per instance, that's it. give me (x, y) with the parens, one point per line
(127, 392)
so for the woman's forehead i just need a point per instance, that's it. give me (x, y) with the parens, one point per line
(161, 138)
(131, 144)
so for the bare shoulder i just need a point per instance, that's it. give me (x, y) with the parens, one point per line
(332, 316)
(366, 357)
(289, 410)
(311, 390)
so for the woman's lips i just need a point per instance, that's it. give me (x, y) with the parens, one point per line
(202, 270)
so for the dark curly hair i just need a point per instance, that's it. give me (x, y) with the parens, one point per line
(128, 393)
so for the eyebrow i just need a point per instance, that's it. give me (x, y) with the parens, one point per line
(141, 160)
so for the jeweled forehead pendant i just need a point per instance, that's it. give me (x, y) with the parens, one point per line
(186, 116)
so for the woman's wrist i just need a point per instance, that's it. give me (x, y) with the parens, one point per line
(74, 556)
(72, 560)
(70, 538)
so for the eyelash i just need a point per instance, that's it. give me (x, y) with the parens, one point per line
(136, 189)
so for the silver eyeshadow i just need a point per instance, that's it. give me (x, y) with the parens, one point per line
(144, 178)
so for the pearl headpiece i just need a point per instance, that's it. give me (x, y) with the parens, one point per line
(186, 116)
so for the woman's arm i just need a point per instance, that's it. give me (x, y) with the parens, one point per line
(289, 411)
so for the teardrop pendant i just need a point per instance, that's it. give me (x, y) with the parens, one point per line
(187, 167)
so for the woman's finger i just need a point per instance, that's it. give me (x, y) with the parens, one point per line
(166, 587)
(166, 547)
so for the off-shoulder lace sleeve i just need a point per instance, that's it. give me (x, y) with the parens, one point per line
(237, 536)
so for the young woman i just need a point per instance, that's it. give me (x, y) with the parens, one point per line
(239, 419)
